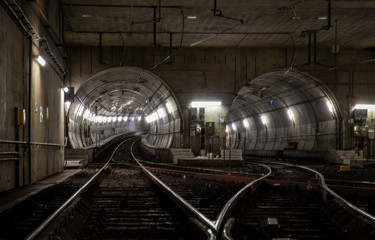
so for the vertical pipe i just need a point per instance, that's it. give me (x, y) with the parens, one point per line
(230, 149)
(29, 111)
(154, 26)
(100, 49)
(309, 46)
(170, 47)
(314, 47)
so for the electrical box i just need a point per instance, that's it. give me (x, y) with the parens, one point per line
(360, 114)
(210, 128)
(371, 134)
(192, 130)
(360, 131)
(344, 168)
(21, 116)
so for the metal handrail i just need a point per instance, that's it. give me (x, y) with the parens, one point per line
(49, 220)
(32, 143)
(330, 191)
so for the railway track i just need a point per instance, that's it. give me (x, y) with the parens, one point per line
(126, 200)
(18, 221)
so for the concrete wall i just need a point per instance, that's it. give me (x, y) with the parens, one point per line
(17, 63)
(219, 73)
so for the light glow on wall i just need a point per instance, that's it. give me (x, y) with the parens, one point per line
(169, 107)
(291, 115)
(246, 123)
(264, 120)
(329, 105)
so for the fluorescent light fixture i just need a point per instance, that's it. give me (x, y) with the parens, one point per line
(86, 15)
(139, 118)
(364, 106)
(191, 17)
(41, 60)
(321, 18)
(329, 105)
(245, 123)
(264, 120)
(291, 115)
(66, 89)
(126, 118)
(169, 107)
(234, 127)
(205, 104)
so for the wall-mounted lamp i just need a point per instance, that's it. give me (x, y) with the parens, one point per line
(41, 60)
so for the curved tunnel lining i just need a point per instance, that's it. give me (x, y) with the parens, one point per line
(277, 109)
(121, 100)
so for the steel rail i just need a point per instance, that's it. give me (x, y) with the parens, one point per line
(215, 225)
(327, 189)
(48, 221)
(176, 196)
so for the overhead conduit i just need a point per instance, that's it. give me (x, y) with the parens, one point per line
(284, 111)
(121, 100)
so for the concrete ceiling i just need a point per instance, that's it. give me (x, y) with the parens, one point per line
(238, 23)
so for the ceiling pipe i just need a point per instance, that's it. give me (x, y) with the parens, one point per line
(218, 13)
(329, 15)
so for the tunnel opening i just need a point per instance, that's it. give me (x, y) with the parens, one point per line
(122, 100)
(285, 114)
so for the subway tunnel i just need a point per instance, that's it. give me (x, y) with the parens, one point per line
(285, 111)
(280, 111)
(123, 100)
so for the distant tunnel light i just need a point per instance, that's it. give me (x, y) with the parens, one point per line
(329, 105)
(245, 123)
(291, 115)
(364, 106)
(41, 60)
(205, 104)
(234, 127)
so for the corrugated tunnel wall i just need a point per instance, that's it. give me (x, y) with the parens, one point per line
(284, 111)
(122, 100)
